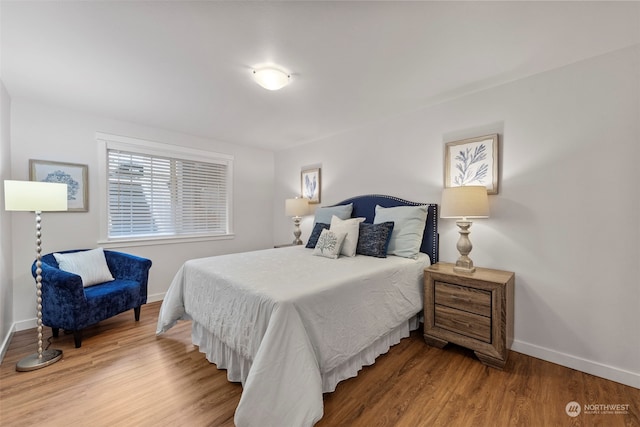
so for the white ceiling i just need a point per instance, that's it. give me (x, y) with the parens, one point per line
(186, 66)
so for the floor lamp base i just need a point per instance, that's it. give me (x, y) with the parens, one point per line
(33, 362)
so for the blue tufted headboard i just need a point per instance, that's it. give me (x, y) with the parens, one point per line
(365, 206)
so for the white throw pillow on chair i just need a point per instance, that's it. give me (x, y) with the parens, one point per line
(90, 265)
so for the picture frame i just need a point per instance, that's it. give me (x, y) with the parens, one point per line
(73, 174)
(472, 161)
(310, 185)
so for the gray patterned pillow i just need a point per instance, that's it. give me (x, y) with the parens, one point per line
(329, 244)
(374, 239)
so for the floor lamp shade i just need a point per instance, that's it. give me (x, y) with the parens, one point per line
(37, 197)
(463, 203)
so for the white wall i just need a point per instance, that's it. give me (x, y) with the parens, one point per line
(55, 134)
(6, 255)
(565, 220)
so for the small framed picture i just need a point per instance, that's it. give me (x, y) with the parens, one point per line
(472, 161)
(310, 185)
(73, 174)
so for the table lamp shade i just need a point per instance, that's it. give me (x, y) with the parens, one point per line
(35, 196)
(465, 202)
(296, 207)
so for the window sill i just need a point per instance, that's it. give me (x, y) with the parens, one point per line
(126, 242)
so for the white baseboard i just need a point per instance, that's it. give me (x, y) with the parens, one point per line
(5, 342)
(156, 297)
(588, 366)
(612, 373)
(22, 325)
(32, 323)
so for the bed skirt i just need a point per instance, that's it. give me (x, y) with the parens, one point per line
(238, 367)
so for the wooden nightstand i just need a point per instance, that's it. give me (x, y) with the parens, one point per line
(472, 310)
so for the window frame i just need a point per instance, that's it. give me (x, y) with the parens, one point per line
(115, 142)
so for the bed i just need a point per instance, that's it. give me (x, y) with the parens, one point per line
(289, 325)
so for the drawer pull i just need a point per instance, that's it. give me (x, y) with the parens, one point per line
(465, 324)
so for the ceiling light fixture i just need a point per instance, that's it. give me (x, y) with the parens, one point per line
(271, 78)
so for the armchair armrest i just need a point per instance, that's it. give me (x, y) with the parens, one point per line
(127, 266)
(63, 281)
(62, 292)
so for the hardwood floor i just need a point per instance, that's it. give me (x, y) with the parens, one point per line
(124, 376)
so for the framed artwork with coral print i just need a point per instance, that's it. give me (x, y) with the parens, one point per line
(72, 174)
(472, 161)
(310, 185)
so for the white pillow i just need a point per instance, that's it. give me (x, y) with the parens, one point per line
(90, 265)
(352, 228)
(408, 228)
(329, 244)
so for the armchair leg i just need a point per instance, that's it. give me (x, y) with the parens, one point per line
(77, 338)
(136, 312)
(56, 332)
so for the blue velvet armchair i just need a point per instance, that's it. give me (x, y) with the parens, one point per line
(67, 305)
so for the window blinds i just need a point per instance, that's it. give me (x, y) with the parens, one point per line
(151, 195)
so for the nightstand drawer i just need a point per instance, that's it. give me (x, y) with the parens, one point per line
(464, 323)
(468, 299)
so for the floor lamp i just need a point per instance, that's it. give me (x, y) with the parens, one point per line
(36, 197)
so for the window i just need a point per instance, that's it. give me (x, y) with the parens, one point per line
(156, 191)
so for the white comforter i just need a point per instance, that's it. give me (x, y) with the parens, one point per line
(293, 316)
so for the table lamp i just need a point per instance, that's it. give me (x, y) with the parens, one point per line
(296, 208)
(36, 197)
(464, 202)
